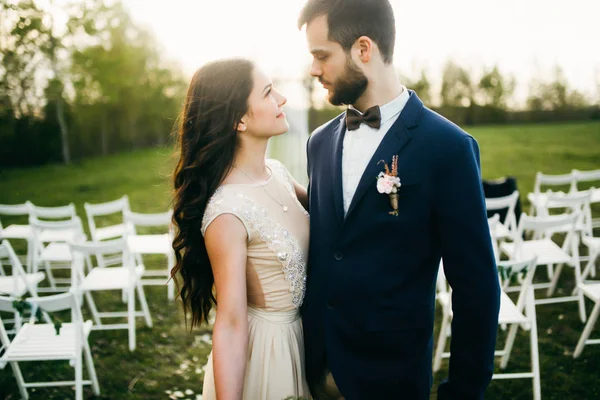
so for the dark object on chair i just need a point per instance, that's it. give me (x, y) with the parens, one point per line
(499, 188)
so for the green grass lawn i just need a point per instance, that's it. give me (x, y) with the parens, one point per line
(169, 357)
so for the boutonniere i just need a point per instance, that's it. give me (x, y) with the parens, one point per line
(389, 183)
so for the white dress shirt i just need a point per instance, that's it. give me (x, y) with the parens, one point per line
(360, 145)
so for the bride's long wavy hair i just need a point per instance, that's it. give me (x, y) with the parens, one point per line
(216, 101)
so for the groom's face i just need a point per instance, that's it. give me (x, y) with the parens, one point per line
(333, 66)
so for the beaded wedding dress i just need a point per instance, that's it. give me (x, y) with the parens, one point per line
(278, 229)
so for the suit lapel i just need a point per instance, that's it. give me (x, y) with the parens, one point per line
(337, 142)
(393, 142)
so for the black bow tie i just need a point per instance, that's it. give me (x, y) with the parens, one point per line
(371, 117)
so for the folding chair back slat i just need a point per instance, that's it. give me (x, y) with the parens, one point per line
(102, 210)
(143, 219)
(15, 209)
(542, 179)
(59, 212)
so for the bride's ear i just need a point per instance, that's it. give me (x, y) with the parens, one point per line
(241, 126)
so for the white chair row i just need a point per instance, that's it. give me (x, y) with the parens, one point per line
(39, 342)
(125, 277)
(24, 231)
(47, 245)
(138, 244)
(573, 181)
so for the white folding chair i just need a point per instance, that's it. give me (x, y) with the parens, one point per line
(50, 248)
(17, 231)
(53, 214)
(108, 230)
(145, 244)
(547, 252)
(18, 283)
(40, 342)
(591, 289)
(593, 245)
(126, 278)
(508, 228)
(590, 176)
(572, 202)
(554, 181)
(112, 231)
(520, 314)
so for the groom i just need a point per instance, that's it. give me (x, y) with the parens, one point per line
(369, 306)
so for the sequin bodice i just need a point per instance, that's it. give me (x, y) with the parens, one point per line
(277, 239)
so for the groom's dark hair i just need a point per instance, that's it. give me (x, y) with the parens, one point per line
(348, 20)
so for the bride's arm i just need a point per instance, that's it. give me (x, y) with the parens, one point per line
(225, 240)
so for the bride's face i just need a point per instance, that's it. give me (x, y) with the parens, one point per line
(265, 117)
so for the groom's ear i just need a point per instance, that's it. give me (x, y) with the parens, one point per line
(364, 48)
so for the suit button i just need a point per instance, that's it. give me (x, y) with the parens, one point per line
(330, 305)
(338, 255)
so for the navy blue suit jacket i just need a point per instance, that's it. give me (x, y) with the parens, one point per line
(370, 295)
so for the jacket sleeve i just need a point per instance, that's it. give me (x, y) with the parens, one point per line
(469, 266)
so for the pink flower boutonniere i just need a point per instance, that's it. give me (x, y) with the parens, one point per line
(389, 183)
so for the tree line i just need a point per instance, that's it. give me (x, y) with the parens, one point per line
(92, 84)
(81, 79)
(489, 99)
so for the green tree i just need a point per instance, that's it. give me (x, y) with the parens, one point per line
(554, 95)
(421, 86)
(25, 39)
(495, 89)
(457, 89)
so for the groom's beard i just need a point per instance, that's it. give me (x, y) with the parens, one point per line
(350, 86)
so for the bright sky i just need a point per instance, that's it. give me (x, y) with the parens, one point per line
(527, 38)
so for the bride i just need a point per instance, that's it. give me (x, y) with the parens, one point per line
(242, 227)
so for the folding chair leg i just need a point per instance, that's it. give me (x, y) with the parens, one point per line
(20, 381)
(171, 290)
(131, 317)
(441, 345)
(49, 274)
(579, 293)
(88, 262)
(78, 377)
(144, 304)
(590, 267)
(554, 281)
(29, 257)
(18, 321)
(95, 315)
(510, 340)
(533, 337)
(89, 361)
(550, 271)
(587, 330)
